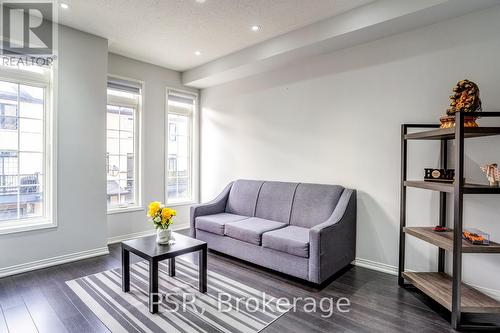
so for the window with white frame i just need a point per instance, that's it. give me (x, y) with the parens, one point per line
(123, 153)
(181, 108)
(26, 135)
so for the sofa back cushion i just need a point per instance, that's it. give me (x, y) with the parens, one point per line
(314, 204)
(275, 201)
(243, 197)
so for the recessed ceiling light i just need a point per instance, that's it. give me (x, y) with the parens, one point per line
(201, 1)
(64, 5)
(197, 53)
(255, 27)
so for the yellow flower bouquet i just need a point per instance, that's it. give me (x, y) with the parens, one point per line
(161, 216)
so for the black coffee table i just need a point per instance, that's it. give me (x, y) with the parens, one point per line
(148, 249)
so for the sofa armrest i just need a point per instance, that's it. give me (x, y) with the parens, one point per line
(216, 206)
(333, 242)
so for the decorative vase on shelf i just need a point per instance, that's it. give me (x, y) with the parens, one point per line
(164, 236)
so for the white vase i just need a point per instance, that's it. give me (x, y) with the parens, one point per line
(164, 236)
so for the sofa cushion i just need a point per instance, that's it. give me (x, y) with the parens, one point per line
(292, 240)
(243, 197)
(215, 223)
(251, 229)
(275, 201)
(314, 204)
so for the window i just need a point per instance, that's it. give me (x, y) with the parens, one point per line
(181, 108)
(26, 132)
(8, 116)
(172, 131)
(122, 157)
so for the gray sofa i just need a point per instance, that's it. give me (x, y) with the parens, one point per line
(304, 230)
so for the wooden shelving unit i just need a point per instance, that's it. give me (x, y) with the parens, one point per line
(449, 291)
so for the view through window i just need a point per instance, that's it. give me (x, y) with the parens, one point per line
(180, 111)
(23, 174)
(122, 144)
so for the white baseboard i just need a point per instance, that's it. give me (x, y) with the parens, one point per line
(393, 270)
(490, 292)
(31, 266)
(43, 263)
(121, 238)
(376, 266)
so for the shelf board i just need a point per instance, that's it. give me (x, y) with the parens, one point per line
(434, 186)
(438, 286)
(449, 133)
(444, 240)
(480, 189)
(449, 187)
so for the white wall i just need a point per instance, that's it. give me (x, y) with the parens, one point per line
(336, 119)
(81, 182)
(156, 80)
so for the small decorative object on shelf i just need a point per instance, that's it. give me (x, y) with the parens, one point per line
(476, 237)
(492, 173)
(163, 218)
(465, 98)
(449, 122)
(439, 228)
(439, 175)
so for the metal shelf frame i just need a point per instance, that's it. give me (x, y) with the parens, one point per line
(457, 190)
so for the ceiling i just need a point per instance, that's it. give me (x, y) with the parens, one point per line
(168, 32)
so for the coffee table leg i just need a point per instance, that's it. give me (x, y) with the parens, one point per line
(154, 297)
(171, 267)
(125, 270)
(202, 266)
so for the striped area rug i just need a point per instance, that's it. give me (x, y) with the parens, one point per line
(184, 309)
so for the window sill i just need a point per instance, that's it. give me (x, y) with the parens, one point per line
(25, 226)
(125, 210)
(182, 203)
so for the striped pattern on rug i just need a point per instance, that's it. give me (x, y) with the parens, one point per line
(128, 312)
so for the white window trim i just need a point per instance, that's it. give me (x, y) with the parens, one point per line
(138, 145)
(127, 209)
(49, 220)
(194, 145)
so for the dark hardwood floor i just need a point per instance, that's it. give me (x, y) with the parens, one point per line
(40, 301)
